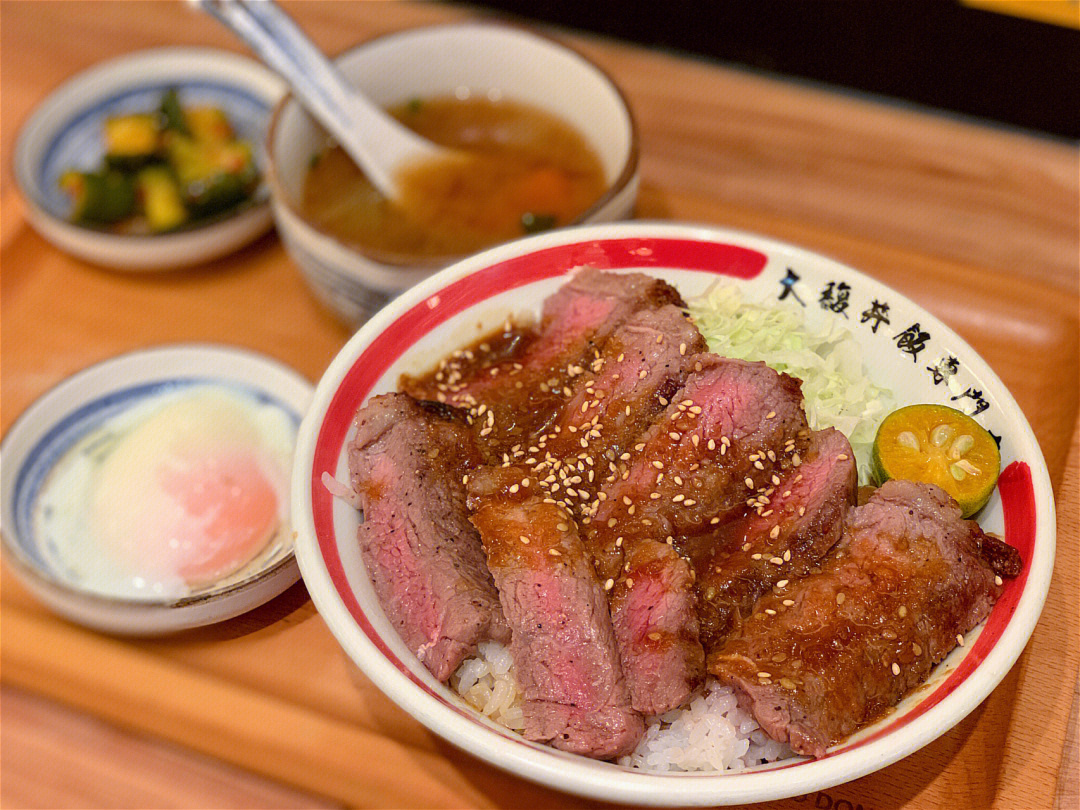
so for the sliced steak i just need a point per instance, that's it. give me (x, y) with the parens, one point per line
(424, 556)
(835, 650)
(656, 626)
(626, 387)
(565, 659)
(776, 541)
(513, 385)
(686, 471)
(729, 434)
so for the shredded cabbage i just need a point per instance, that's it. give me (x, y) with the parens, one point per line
(835, 385)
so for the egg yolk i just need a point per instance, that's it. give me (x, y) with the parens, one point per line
(227, 512)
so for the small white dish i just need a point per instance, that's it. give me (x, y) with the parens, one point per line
(54, 424)
(65, 131)
(901, 344)
(473, 58)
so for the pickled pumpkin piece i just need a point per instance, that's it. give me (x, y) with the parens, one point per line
(939, 445)
(161, 202)
(99, 197)
(131, 141)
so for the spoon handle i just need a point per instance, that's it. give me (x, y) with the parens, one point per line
(372, 138)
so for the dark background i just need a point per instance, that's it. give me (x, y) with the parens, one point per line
(937, 53)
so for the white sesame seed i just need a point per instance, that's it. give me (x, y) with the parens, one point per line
(609, 584)
(514, 488)
(902, 612)
(562, 527)
(840, 597)
(679, 498)
(789, 603)
(643, 374)
(682, 348)
(998, 581)
(714, 521)
(465, 479)
(960, 639)
(749, 483)
(753, 556)
(776, 561)
(524, 540)
(658, 464)
(764, 675)
(782, 583)
(895, 669)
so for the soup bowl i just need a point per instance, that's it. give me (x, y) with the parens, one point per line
(472, 59)
(474, 297)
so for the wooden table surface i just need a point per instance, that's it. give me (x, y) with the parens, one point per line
(977, 224)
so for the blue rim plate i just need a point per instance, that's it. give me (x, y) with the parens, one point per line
(59, 419)
(65, 132)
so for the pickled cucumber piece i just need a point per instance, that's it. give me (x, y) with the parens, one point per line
(161, 201)
(131, 141)
(172, 114)
(208, 124)
(212, 176)
(938, 445)
(99, 197)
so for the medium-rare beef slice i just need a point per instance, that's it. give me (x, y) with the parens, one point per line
(724, 440)
(407, 464)
(566, 663)
(611, 403)
(777, 540)
(514, 386)
(653, 611)
(833, 651)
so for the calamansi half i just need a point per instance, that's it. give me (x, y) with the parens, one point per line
(939, 445)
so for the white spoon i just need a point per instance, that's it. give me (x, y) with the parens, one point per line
(372, 138)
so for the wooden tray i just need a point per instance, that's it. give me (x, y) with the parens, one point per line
(977, 225)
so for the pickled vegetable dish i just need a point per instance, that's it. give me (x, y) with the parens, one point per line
(165, 169)
(524, 171)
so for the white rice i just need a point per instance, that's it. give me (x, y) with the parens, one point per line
(710, 734)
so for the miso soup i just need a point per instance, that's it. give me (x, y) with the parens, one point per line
(526, 171)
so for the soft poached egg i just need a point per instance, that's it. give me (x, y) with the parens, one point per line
(180, 492)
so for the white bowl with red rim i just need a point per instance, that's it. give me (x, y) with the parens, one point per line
(475, 295)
